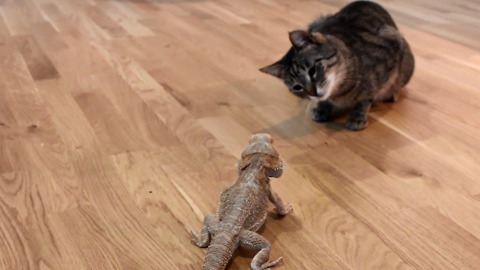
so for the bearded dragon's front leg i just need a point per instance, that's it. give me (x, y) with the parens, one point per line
(210, 225)
(280, 207)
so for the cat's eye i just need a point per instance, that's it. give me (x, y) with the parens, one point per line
(297, 88)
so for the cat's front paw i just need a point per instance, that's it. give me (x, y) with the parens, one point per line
(356, 124)
(390, 99)
(322, 113)
(393, 98)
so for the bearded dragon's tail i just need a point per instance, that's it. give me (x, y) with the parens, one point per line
(220, 251)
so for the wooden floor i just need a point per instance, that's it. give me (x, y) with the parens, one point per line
(121, 121)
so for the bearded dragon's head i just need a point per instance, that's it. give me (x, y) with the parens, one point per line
(262, 143)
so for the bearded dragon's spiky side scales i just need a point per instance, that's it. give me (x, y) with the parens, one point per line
(243, 209)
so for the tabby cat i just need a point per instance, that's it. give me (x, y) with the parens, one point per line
(347, 60)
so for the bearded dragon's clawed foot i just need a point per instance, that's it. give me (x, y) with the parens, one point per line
(210, 224)
(284, 210)
(280, 208)
(269, 264)
(197, 240)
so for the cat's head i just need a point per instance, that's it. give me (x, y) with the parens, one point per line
(306, 65)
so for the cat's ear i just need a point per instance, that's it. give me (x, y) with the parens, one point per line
(276, 69)
(300, 38)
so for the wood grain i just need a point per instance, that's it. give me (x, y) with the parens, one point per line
(121, 121)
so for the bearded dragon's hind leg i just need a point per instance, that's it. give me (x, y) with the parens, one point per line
(253, 241)
(210, 225)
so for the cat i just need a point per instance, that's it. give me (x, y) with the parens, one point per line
(348, 60)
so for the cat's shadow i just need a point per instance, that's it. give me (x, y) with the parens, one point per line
(391, 126)
(302, 124)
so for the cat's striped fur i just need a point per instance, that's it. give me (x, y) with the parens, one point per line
(350, 59)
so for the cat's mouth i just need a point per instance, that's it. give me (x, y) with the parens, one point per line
(319, 94)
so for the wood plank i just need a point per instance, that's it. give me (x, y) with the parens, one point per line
(413, 249)
(15, 250)
(108, 195)
(121, 122)
(83, 241)
(37, 61)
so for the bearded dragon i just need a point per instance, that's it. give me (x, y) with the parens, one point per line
(243, 209)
